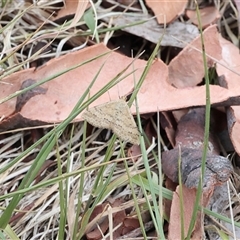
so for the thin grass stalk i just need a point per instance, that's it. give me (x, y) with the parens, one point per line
(220, 217)
(166, 192)
(99, 178)
(101, 191)
(138, 211)
(63, 192)
(231, 210)
(131, 183)
(60, 178)
(156, 218)
(181, 193)
(98, 199)
(159, 164)
(10, 233)
(15, 19)
(68, 169)
(62, 197)
(13, 69)
(206, 130)
(81, 182)
(42, 155)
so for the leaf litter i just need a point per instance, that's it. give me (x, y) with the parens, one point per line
(166, 88)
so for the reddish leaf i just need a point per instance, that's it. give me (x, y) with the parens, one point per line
(181, 75)
(103, 223)
(209, 15)
(189, 138)
(71, 8)
(63, 92)
(189, 196)
(229, 67)
(166, 11)
(190, 131)
(130, 223)
(171, 98)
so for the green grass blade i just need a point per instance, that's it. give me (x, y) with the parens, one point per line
(206, 131)
(4, 219)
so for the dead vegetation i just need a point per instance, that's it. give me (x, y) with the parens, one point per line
(63, 179)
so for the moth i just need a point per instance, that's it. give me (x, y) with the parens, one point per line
(114, 115)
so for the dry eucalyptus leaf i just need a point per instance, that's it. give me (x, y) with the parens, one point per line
(209, 15)
(177, 34)
(190, 131)
(189, 197)
(63, 92)
(229, 67)
(171, 98)
(187, 68)
(70, 7)
(166, 11)
(103, 223)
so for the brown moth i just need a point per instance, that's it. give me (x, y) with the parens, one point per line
(114, 115)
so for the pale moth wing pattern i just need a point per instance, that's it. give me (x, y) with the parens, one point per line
(114, 115)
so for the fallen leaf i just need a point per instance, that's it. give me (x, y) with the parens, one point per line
(171, 98)
(208, 16)
(191, 129)
(188, 150)
(118, 219)
(130, 223)
(180, 74)
(63, 92)
(70, 7)
(177, 34)
(103, 223)
(189, 196)
(167, 11)
(229, 67)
